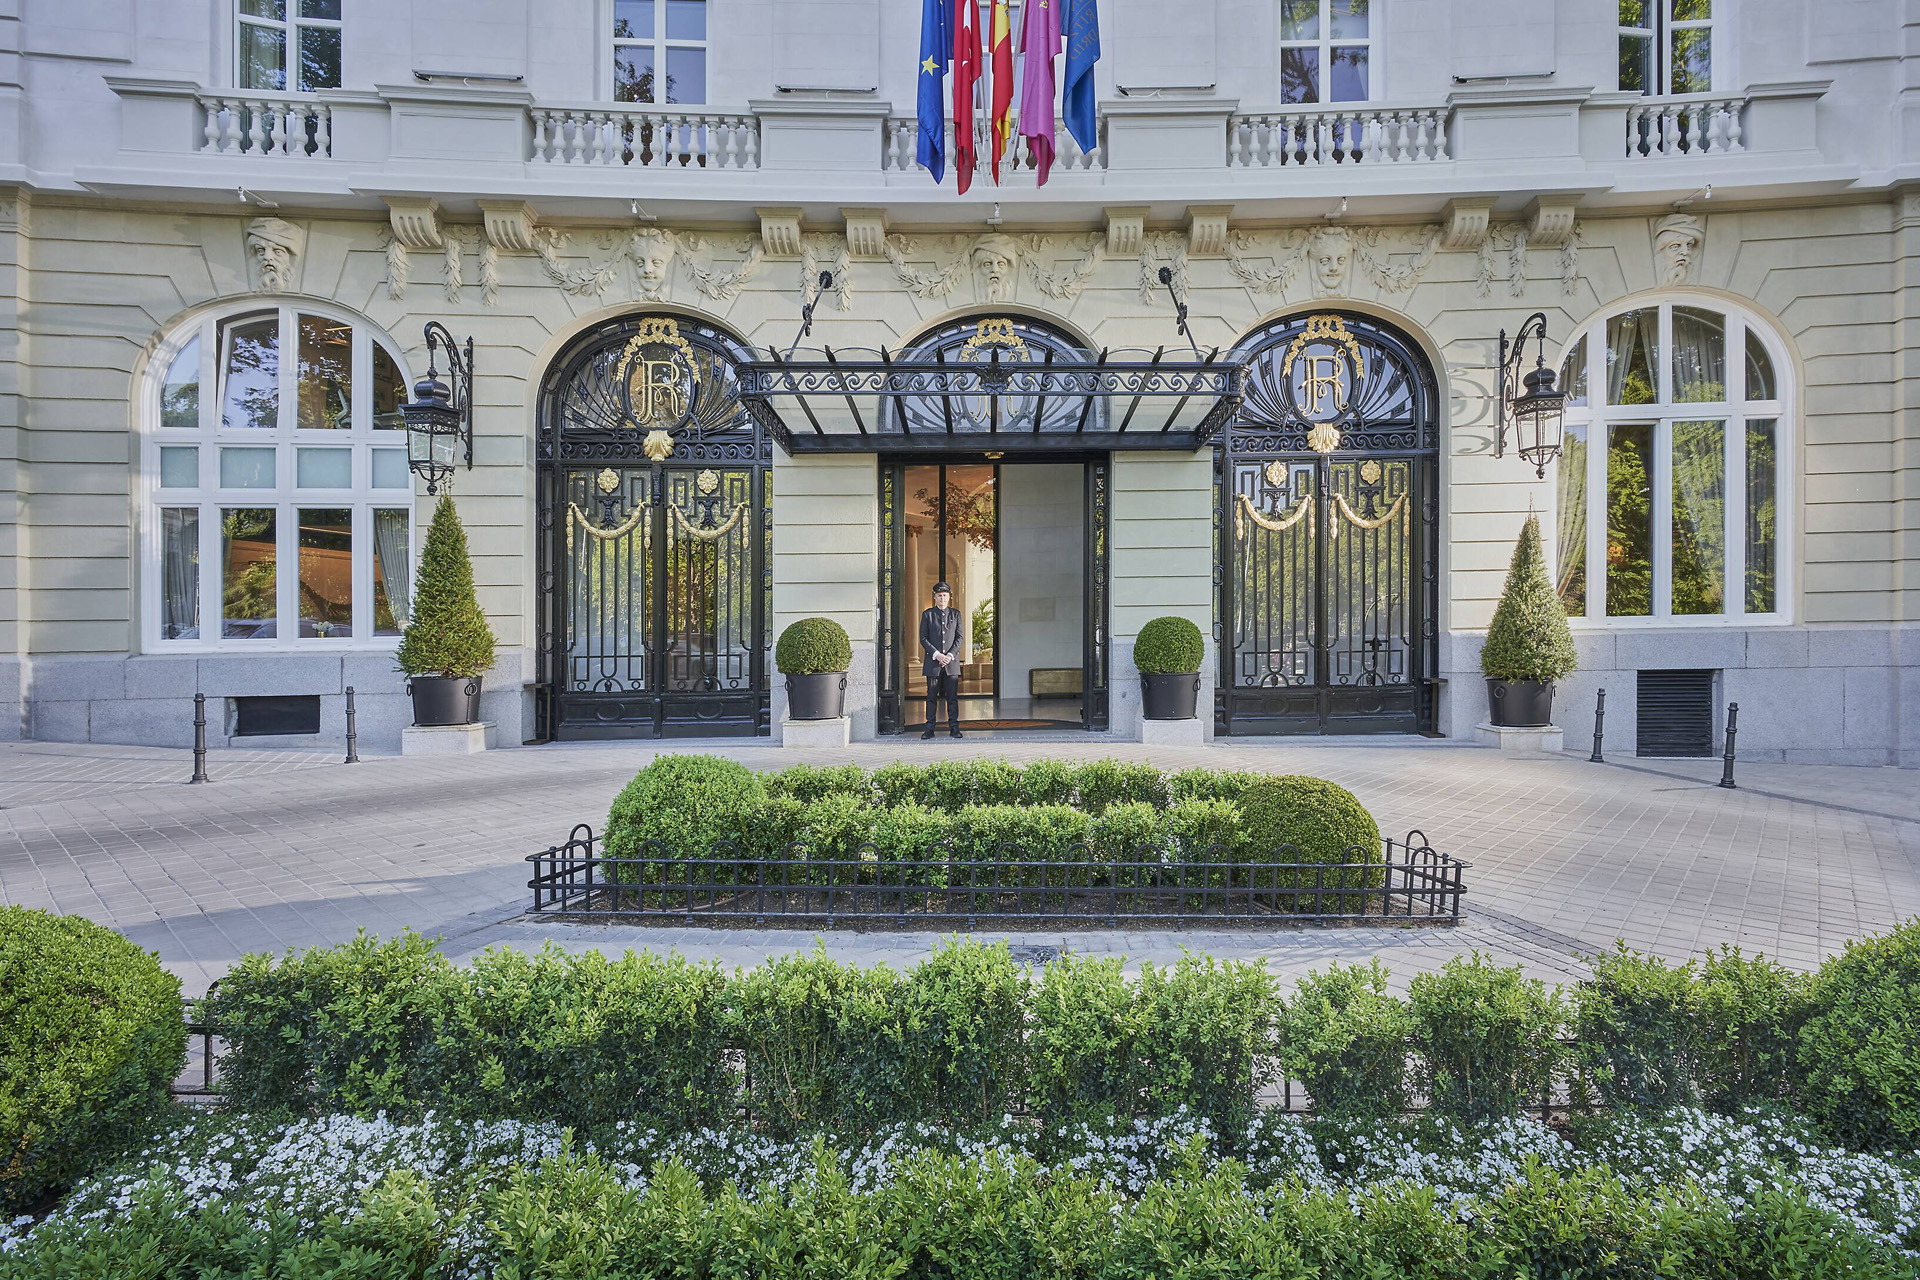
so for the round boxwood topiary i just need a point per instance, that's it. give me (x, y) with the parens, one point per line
(91, 1035)
(1322, 821)
(1169, 646)
(1858, 1056)
(685, 803)
(812, 646)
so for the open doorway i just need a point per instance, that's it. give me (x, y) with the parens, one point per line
(1010, 539)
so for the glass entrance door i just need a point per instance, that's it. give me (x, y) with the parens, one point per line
(952, 527)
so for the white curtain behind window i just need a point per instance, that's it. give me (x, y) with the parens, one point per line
(396, 564)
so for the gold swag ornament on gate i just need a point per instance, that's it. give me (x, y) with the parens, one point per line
(658, 381)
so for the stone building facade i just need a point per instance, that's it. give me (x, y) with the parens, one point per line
(214, 294)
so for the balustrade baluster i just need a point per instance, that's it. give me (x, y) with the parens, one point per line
(323, 132)
(256, 131)
(211, 133)
(1733, 142)
(1422, 140)
(1693, 128)
(1439, 136)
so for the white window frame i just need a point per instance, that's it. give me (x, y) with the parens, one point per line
(1664, 24)
(1598, 417)
(659, 43)
(1326, 45)
(286, 437)
(289, 28)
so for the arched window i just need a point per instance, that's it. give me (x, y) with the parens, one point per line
(1673, 485)
(279, 507)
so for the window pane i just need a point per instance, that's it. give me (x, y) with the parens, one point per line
(1571, 537)
(180, 466)
(1699, 518)
(1349, 68)
(1699, 356)
(1630, 521)
(1299, 19)
(325, 391)
(686, 19)
(326, 572)
(328, 10)
(319, 58)
(246, 469)
(1763, 483)
(1692, 64)
(1637, 13)
(1759, 370)
(1573, 375)
(263, 57)
(323, 468)
(390, 469)
(1636, 64)
(389, 392)
(686, 75)
(392, 572)
(633, 19)
(1299, 75)
(633, 73)
(1348, 19)
(180, 398)
(179, 573)
(252, 373)
(276, 10)
(248, 584)
(1692, 10)
(1632, 356)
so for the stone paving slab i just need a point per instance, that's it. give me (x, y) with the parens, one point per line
(291, 849)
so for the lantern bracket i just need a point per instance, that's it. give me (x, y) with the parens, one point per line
(439, 408)
(1530, 392)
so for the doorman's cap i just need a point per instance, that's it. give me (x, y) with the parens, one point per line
(938, 587)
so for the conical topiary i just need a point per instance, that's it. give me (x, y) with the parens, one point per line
(1529, 638)
(447, 635)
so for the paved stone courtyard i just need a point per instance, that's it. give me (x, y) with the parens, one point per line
(287, 849)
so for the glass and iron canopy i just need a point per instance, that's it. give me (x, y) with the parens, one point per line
(1004, 384)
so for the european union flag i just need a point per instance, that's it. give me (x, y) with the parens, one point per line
(1082, 33)
(936, 50)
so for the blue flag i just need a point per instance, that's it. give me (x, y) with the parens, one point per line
(1082, 33)
(936, 51)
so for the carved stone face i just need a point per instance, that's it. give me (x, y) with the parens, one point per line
(995, 260)
(654, 260)
(1675, 242)
(1330, 253)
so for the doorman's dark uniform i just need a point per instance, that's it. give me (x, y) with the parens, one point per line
(940, 633)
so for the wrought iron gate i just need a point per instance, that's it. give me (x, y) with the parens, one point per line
(655, 539)
(1325, 537)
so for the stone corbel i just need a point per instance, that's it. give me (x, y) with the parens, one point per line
(1207, 229)
(866, 232)
(1467, 222)
(1125, 229)
(780, 232)
(416, 221)
(510, 224)
(1550, 220)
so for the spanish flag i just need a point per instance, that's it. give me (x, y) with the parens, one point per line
(1000, 42)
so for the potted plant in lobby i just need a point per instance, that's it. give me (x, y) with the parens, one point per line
(814, 655)
(447, 643)
(1529, 646)
(1168, 652)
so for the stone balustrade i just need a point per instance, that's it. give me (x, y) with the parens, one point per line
(902, 142)
(645, 137)
(291, 125)
(1363, 133)
(1697, 124)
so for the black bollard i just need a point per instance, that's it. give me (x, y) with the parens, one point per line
(199, 739)
(1733, 727)
(1599, 727)
(353, 753)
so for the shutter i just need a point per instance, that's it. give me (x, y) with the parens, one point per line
(1675, 713)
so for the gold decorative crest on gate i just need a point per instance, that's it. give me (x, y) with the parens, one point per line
(1329, 379)
(608, 480)
(658, 445)
(994, 333)
(657, 376)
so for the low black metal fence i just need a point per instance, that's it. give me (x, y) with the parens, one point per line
(1407, 882)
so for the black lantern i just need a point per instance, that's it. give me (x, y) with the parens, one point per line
(440, 417)
(1530, 407)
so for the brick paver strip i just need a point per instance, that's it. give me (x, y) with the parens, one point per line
(290, 849)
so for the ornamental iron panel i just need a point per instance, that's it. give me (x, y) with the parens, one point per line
(655, 538)
(1325, 534)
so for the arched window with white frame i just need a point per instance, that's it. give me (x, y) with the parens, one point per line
(278, 508)
(1673, 490)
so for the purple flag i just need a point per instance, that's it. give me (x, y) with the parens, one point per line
(1039, 42)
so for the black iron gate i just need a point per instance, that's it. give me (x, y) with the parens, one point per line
(655, 539)
(1326, 537)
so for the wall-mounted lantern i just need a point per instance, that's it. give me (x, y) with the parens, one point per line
(1530, 407)
(439, 418)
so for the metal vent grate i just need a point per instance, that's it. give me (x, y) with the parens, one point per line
(266, 717)
(1675, 712)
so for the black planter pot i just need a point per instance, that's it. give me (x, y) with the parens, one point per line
(1520, 704)
(820, 696)
(442, 700)
(1170, 697)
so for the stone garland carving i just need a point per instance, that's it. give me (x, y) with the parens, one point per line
(1066, 285)
(1514, 238)
(934, 284)
(1381, 269)
(723, 286)
(1242, 248)
(812, 250)
(1329, 253)
(587, 281)
(1157, 247)
(1676, 243)
(399, 266)
(1570, 262)
(489, 273)
(276, 245)
(452, 242)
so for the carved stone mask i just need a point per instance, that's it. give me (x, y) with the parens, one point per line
(1330, 251)
(654, 260)
(995, 259)
(1676, 239)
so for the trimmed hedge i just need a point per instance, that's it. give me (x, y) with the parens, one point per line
(1169, 646)
(91, 1035)
(1857, 1057)
(684, 805)
(812, 646)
